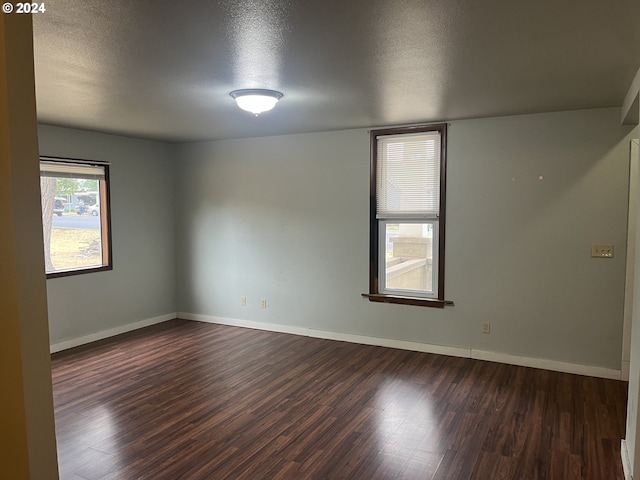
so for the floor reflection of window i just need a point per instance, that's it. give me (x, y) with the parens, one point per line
(407, 432)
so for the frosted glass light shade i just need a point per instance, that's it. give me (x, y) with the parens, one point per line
(256, 101)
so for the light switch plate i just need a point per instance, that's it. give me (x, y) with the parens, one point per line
(602, 251)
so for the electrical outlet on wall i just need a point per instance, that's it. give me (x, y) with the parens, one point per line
(263, 303)
(243, 301)
(602, 251)
(486, 327)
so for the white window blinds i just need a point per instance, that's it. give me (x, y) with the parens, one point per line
(71, 170)
(408, 175)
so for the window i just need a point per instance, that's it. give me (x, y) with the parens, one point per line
(75, 216)
(408, 172)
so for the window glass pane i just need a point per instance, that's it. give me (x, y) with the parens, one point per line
(72, 222)
(409, 257)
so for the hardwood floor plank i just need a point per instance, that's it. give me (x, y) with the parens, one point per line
(187, 400)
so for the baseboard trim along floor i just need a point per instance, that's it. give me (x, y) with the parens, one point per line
(626, 465)
(111, 332)
(553, 365)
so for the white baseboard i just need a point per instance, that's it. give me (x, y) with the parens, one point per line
(93, 337)
(626, 465)
(342, 337)
(391, 343)
(271, 327)
(415, 346)
(546, 364)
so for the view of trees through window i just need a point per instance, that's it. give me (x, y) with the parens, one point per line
(72, 217)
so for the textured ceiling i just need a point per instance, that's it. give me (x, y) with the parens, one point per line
(164, 69)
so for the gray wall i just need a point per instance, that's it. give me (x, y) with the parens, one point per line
(286, 218)
(142, 283)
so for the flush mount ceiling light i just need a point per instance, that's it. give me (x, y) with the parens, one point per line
(256, 100)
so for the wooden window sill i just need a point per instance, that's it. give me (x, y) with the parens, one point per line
(418, 301)
(79, 271)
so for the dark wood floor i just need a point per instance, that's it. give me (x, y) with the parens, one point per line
(187, 400)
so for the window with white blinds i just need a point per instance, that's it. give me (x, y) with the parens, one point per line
(408, 175)
(407, 216)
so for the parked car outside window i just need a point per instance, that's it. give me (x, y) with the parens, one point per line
(94, 209)
(58, 207)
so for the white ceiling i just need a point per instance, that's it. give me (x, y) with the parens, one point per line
(164, 69)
